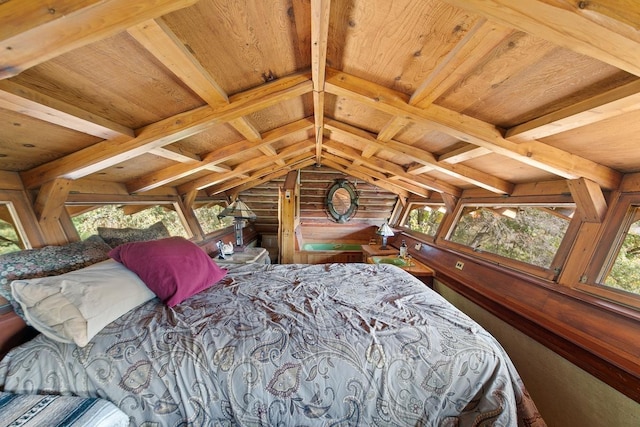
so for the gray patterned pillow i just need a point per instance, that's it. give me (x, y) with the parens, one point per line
(49, 261)
(117, 236)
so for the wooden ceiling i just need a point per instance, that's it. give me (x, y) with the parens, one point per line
(414, 96)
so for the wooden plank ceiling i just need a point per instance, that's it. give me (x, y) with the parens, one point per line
(414, 96)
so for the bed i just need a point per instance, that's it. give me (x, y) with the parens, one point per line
(331, 344)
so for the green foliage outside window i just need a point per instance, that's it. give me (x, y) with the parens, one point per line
(9, 240)
(625, 273)
(113, 216)
(425, 219)
(528, 234)
(208, 218)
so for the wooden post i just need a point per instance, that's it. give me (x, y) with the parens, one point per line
(288, 217)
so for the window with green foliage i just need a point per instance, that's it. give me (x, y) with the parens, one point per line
(624, 271)
(10, 240)
(207, 216)
(121, 216)
(425, 218)
(530, 234)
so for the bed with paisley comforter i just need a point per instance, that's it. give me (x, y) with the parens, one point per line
(334, 344)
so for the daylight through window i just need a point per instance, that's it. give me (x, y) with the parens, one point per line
(530, 234)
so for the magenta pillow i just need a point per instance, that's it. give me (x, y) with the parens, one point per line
(173, 268)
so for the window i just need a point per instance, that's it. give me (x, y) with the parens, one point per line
(622, 272)
(425, 218)
(530, 234)
(207, 215)
(11, 239)
(121, 216)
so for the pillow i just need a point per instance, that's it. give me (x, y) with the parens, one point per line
(49, 261)
(174, 268)
(73, 307)
(117, 236)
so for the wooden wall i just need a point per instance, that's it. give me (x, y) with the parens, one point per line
(375, 206)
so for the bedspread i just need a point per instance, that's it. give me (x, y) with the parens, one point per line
(333, 344)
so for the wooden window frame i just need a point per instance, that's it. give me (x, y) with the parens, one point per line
(606, 250)
(552, 272)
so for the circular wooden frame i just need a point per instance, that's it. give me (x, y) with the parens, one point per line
(337, 213)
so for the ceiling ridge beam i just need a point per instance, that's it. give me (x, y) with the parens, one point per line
(471, 130)
(110, 152)
(49, 32)
(320, 13)
(581, 26)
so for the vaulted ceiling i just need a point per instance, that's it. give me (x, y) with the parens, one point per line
(414, 96)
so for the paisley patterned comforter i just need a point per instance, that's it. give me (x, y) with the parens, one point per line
(334, 344)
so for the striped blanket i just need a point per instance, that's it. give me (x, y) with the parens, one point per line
(31, 410)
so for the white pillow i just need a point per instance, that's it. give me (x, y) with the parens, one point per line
(74, 306)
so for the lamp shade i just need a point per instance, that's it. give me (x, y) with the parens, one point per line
(385, 230)
(238, 210)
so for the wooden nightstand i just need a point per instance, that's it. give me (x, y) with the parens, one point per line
(418, 269)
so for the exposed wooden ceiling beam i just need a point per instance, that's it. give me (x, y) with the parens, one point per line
(158, 39)
(600, 31)
(473, 48)
(33, 33)
(230, 185)
(372, 177)
(23, 100)
(181, 156)
(320, 12)
(468, 129)
(381, 165)
(246, 166)
(603, 106)
(467, 152)
(111, 152)
(178, 171)
(465, 173)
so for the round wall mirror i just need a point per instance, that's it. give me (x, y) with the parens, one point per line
(342, 201)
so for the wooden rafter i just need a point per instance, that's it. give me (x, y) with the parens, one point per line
(245, 167)
(583, 26)
(230, 185)
(24, 100)
(477, 132)
(164, 45)
(178, 171)
(481, 179)
(343, 165)
(33, 33)
(383, 165)
(111, 152)
(603, 106)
